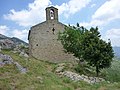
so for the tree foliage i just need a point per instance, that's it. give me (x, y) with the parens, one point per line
(87, 45)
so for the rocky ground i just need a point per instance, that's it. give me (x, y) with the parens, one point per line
(60, 70)
(6, 59)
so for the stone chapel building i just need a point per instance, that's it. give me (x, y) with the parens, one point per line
(43, 43)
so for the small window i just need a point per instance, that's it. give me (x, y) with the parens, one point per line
(36, 44)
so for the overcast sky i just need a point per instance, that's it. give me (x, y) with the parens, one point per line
(17, 16)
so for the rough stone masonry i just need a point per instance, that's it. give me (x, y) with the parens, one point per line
(43, 43)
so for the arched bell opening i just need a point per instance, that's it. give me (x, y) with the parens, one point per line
(52, 15)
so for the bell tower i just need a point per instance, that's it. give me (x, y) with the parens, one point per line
(51, 13)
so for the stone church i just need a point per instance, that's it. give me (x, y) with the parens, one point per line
(43, 43)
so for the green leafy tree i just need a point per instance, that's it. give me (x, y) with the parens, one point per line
(87, 45)
(70, 41)
(97, 52)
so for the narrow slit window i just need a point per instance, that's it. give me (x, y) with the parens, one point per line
(36, 44)
(53, 30)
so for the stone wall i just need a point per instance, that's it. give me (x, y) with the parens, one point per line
(43, 43)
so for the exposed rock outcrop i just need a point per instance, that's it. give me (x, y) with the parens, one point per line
(7, 44)
(10, 43)
(6, 59)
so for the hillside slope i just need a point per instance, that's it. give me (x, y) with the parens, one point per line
(41, 76)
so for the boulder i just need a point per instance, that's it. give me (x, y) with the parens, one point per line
(6, 59)
(23, 54)
(20, 68)
(26, 55)
(59, 69)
